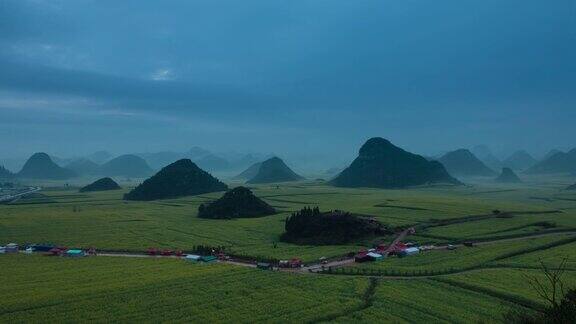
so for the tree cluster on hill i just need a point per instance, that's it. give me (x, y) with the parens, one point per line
(239, 202)
(181, 178)
(310, 226)
(101, 185)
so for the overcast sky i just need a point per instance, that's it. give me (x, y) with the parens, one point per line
(285, 76)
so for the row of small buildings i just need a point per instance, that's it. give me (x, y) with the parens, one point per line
(382, 251)
(46, 249)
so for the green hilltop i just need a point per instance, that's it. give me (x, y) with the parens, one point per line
(41, 166)
(380, 164)
(181, 178)
(101, 185)
(274, 170)
(463, 163)
(239, 202)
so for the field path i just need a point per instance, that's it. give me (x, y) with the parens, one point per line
(344, 261)
(317, 268)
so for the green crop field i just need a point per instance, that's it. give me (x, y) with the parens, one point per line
(151, 290)
(511, 284)
(409, 301)
(51, 289)
(104, 221)
(463, 258)
(536, 221)
(550, 257)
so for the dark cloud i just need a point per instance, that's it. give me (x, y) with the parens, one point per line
(403, 69)
(23, 20)
(133, 93)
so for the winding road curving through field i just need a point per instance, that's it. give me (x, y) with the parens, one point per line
(316, 268)
(8, 198)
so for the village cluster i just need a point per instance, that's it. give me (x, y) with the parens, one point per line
(377, 253)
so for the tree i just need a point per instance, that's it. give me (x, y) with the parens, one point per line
(551, 287)
(560, 305)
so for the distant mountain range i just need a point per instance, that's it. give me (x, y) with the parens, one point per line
(99, 157)
(5, 173)
(463, 163)
(128, 165)
(274, 170)
(508, 176)
(212, 162)
(550, 154)
(560, 162)
(138, 165)
(484, 154)
(159, 160)
(249, 173)
(83, 166)
(204, 159)
(519, 160)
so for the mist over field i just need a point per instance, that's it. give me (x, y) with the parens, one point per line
(306, 80)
